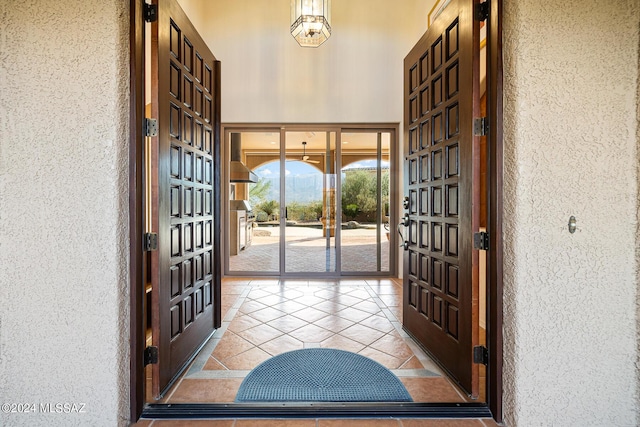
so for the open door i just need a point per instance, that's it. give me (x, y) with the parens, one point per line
(440, 298)
(184, 270)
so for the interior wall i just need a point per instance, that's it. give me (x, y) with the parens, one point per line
(355, 76)
(571, 148)
(64, 117)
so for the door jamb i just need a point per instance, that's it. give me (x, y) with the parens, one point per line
(136, 208)
(495, 205)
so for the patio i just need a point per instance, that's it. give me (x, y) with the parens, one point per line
(306, 250)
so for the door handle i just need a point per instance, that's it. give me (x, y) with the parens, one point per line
(403, 223)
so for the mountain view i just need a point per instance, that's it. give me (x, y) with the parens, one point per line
(303, 184)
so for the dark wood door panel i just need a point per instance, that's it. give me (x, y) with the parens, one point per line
(440, 286)
(184, 267)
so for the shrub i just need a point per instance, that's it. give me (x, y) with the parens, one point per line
(351, 210)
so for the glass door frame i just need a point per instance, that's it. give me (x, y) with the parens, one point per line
(394, 194)
(392, 197)
(328, 163)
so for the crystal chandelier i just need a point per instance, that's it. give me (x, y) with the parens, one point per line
(310, 21)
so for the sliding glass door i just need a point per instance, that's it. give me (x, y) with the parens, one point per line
(310, 202)
(365, 189)
(313, 202)
(254, 193)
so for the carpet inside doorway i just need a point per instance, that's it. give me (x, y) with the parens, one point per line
(321, 375)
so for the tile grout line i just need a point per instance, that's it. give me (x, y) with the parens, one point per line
(351, 290)
(416, 350)
(455, 387)
(206, 352)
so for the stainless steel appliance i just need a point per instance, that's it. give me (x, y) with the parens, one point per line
(238, 172)
(241, 219)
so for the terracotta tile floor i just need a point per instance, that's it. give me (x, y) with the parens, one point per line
(263, 318)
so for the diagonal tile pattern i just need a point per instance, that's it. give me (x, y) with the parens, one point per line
(269, 317)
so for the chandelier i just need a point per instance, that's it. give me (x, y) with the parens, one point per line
(310, 21)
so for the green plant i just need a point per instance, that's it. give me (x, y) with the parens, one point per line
(350, 210)
(317, 209)
(269, 207)
(262, 216)
(297, 211)
(258, 191)
(359, 188)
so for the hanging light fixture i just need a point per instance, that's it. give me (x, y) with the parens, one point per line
(310, 21)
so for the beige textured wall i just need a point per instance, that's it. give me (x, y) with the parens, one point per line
(63, 219)
(571, 148)
(571, 137)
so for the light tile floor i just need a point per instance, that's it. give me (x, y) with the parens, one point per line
(263, 318)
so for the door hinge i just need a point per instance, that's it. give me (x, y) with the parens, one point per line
(480, 355)
(481, 241)
(150, 355)
(150, 127)
(482, 11)
(480, 126)
(150, 242)
(150, 12)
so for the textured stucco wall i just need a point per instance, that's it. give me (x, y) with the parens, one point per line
(63, 210)
(571, 148)
(571, 137)
(638, 241)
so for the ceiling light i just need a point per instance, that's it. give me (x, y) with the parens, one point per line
(310, 21)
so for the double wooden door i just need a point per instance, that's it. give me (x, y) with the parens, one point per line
(184, 270)
(442, 193)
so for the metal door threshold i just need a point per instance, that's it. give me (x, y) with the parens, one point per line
(315, 410)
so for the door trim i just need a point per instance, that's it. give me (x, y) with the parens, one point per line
(136, 209)
(338, 128)
(137, 265)
(495, 216)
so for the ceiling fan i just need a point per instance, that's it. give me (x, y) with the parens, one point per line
(306, 158)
